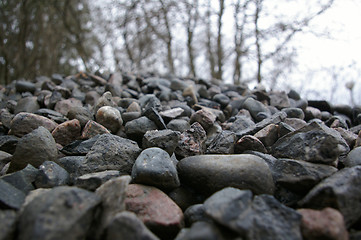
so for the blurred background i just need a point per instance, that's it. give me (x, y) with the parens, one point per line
(312, 47)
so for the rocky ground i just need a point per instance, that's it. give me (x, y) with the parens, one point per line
(144, 157)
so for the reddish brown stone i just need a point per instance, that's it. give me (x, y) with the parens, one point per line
(192, 141)
(67, 132)
(249, 142)
(296, 123)
(323, 224)
(268, 135)
(24, 123)
(157, 211)
(92, 129)
(204, 117)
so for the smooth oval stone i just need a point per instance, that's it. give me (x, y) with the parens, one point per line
(210, 173)
(110, 118)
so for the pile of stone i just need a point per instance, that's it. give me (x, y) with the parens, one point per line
(145, 157)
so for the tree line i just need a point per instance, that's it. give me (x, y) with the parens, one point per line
(242, 40)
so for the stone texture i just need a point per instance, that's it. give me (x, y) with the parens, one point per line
(27, 104)
(323, 224)
(111, 152)
(313, 143)
(10, 196)
(353, 158)
(191, 141)
(23, 179)
(268, 135)
(210, 173)
(24, 123)
(155, 167)
(34, 148)
(165, 139)
(80, 113)
(156, 210)
(92, 129)
(261, 217)
(340, 191)
(64, 106)
(136, 128)
(60, 213)
(92, 181)
(67, 132)
(79, 147)
(204, 117)
(223, 143)
(8, 224)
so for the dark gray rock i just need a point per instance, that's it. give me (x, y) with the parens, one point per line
(111, 152)
(192, 141)
(221, 99)
(126, 225)
(51, 114)
(10, 196)
(223, 143)
(294, 113)
(8, 224)
(185, 197)
(241, 123)
(60, 213)
(23, 179)
(154, 167)
(27, 104)
(5, 158)
(353, 158)
(210, 173)
(80, 113)
(204, 230)
(179, 125)
(136, 128)
(8, 143)
(34, 148)
(196, 213)
(313, 143)
(260, 218)
(165, 139)
(154, 115)
(71, 164)
(79, 147)
(92, 181)
(340, 191)
(255, 108)
(249, 142)
(51, 175)
(24, 86)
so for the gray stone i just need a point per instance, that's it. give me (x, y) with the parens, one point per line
(179, 125)
(111, 152)
(60, 213)
(165, 139)
(27, 104)
(241, 123)
(63, 106)
(126, 225)
(8, 143)
(313, 143)
(210, 173)
(51, 114)
(249, 142)
(172, 113)
(294, 113)
(105, 100)
(5, 158)
(340, 191)
(185, 197)
(80, 113)
(353, 158)
(34, 148)
(8, 224)
(10, 196)
(204, 117)
(203, 230)
(51, 175)
(136, 128)
(113, 194)
(24, 123)
(260, 218)
(154, 167)
(154, 115)
(79, 147)
(110, 118)
(196, 213)
(255, 107)
(71, 164)
(279, 100)
(67, 132)
(24, 86)
(23, 179)
(223, 143)
(268, 135)
(92, 181)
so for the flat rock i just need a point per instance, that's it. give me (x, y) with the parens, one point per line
(60, 213)
(34, 148)
(179, 125)
(327, 223)
(261, 217)
(10, 196)
(156, 210)
(340, 191)
(24, 86)
(313, 143)
(24, 123)
(154, 167)
(111, 152)
(79, 147)
(92, 181)
(67, 132)
(211, 173)
(23, 179)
